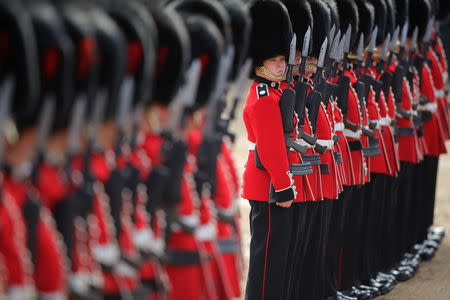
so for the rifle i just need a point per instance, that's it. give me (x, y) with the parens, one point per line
(301, 93)
(314, 97)
(244, 73)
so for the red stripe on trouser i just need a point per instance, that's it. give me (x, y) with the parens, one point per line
(340, 269)
(265, 259)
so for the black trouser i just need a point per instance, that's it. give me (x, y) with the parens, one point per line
(418, 201)
(307, 280)
(404, 207)
(297, 251)
(271, 231)
(351, 249)
(387, 239)
(430, 169)
(374, 220)
(334, 244)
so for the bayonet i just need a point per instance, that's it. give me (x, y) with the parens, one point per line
(412, 47)
(306, 39)
(6, 91)
(403, 39)
(305, 50)
(332, 33)
(381, 64)
(348, 35)
(292, 51)
(332, 54)
(76, 125)
(428, 31)
(394, 39)
(220, 83)
(335, 46)
(241, 83)
(338, 56)
(323, 50)
(184, 97)
(393, 44)
(45, 122)
(371, 47)
(414, 40)
(359, 54)
(385, 47)
(427, 37)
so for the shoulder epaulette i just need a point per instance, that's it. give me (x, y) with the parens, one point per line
(262, 90)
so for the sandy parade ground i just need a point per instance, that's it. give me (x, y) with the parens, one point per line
(432, 281)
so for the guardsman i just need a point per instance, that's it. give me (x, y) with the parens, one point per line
(268, 183)
(302, 21)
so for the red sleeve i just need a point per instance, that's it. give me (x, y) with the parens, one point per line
(268, 129)
(426, 88)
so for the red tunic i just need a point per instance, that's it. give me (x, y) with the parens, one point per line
(433, 129)
(354, 116)
(379, 163)
(407, 144)
(262, 120)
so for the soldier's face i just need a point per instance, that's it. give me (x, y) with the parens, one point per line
(297, 61)
(276, 65)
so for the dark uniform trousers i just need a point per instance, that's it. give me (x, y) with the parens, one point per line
(271, 232)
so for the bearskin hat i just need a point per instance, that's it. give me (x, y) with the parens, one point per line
(380, 19)
(301, 17)
(174, 54)
(390, 17)
(241, 25)
(321, 23)
(366, 12)
(419, 14)
(213, 10)
(207, 44)
(443, 9)
(334, 13)
(20, 57)
(348, 14)
(401, 12)
(112, 49)
(271, 31)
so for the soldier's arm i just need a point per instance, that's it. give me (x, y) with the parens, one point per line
(271, 147)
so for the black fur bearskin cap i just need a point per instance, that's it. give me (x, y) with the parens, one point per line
(301, 17)
(174, 54)
(271, 32)
(322, 25)
(348, 14)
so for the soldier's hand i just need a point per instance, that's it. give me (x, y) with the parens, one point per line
(285, 204)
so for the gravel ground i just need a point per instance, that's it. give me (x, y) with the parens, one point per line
(432, 280)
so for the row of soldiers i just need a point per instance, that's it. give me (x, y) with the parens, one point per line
(346, 119)
(117, 177)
